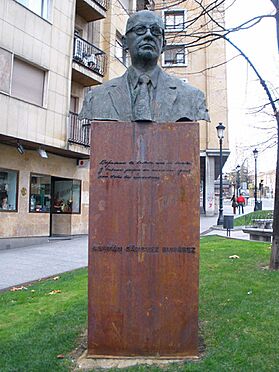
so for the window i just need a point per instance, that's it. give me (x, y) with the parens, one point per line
(74, 104)
(175, 55)
(120, 52)
(40, 197)
(28, 82)
(8, 190)
(61, 193)
(66, 195)
(175, 20)
(40, 7)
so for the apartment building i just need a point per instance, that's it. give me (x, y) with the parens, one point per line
(194, 65)
(51, 52)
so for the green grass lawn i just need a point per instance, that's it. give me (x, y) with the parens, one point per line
(246, 219)
(239, 312)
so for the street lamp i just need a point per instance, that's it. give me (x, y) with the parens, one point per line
(220, 133)
(234, 185)
(237, 168)
(255, 152)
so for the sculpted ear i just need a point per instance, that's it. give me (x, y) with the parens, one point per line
(164, 46)
(124, 42)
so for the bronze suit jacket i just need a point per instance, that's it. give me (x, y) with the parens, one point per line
(174, 101)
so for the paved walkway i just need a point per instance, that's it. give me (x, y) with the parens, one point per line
(21, 265)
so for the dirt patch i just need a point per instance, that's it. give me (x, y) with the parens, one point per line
(82, 363)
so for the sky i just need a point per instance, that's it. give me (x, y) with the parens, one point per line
(244, 90)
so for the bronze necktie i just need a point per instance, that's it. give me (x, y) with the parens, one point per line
(142, 111)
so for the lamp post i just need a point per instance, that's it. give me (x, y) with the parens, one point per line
(255, 152)
(237, 179)
(220, 133)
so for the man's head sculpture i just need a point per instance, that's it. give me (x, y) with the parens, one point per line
(144, 38)
(145, 92)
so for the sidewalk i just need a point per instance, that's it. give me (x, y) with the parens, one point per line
(208, 224)
(22, 265)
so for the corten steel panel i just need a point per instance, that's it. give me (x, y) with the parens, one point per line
(144, 239)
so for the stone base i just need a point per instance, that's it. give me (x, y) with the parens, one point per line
(90, 363)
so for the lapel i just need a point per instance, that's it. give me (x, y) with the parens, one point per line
(165, 97)
(119, 94)
(120, 98)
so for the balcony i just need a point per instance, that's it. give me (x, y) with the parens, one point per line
(79, 130)
(145, 5)
(92, 10)
(89, 63)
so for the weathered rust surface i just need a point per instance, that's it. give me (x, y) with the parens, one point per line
(144, 239)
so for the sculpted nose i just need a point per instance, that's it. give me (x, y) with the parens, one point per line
(148, 34)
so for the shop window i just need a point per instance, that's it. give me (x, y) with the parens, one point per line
(40, 7)
(28, 82)
(40, 197)
(175, 55)
(66, 195)
(8, 190)
(175, 20)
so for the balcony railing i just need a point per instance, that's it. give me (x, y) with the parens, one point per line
(89, 55)
(79, 132)
(103, 3)
(145, 4)
(92, 10)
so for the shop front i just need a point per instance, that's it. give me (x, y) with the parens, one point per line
(59, 197)
(41, 197)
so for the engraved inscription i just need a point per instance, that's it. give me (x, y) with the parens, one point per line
(142, 170)
(105, 249)
(131, 248)
(178, 249)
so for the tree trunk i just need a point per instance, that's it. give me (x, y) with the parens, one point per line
(274, 259)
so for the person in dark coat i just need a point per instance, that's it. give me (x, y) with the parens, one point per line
(234, 204)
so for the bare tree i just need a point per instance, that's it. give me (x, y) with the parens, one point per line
(211, 15)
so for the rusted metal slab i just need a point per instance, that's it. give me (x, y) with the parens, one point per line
(144, 240)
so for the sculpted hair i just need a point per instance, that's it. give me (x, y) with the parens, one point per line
(132, 21)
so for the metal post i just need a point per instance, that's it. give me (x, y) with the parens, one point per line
(256, 190)
(255, 152)
(221, 217)
(238, 180)
(220, 131)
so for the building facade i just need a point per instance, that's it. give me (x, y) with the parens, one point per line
(51, 52)
(187, 58)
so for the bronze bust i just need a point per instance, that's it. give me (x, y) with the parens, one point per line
(167, 99)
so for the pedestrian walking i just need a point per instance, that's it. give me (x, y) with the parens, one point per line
(241, 202)
(234, 204)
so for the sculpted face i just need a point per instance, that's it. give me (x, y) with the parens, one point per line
(144, 37)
